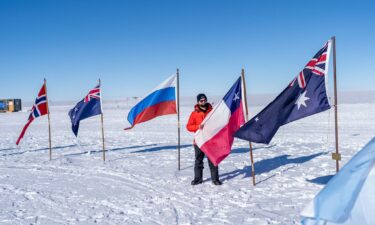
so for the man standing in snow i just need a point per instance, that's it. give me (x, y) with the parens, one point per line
(201, 109)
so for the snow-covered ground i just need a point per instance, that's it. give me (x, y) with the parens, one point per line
(140, 184)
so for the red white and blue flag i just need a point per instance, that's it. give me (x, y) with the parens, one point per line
(40, 108)
(89, 106)
(216, 137)
(304, 96)
(161, 101)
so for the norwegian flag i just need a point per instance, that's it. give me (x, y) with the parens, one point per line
(306, 95)
(89, 106)
(40, 108)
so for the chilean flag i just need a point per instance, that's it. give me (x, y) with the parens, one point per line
(161, 101)
(216, 137)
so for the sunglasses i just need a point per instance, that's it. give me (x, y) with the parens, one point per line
(203, 100)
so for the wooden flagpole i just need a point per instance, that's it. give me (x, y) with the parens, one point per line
(178, 119)
(49, 122)
(336, 156)
(101, 116)
(247, 119)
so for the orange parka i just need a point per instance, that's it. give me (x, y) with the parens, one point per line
(197, 117)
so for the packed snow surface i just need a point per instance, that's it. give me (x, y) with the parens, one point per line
(139, 183)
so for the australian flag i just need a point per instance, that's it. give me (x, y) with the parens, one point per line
(304, 96)
(87, 107)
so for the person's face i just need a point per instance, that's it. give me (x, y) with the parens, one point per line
(202, 102)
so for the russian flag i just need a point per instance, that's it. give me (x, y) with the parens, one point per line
(216, 137)
(161, 101)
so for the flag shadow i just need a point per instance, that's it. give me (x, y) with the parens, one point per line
(37, 150)
(7, 149)
(268, 165)
(107, 150)
(245, 150)
(321, 180)
(160, 148)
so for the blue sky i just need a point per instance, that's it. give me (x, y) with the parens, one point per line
(134, 45)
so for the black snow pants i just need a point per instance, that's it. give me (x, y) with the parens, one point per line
(198, 167)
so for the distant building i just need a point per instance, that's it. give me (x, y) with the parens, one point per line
(10, 105)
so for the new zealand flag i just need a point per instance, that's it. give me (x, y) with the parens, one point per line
(87, 107)
(304, 96)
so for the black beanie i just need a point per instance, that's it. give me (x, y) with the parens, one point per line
(200, 96)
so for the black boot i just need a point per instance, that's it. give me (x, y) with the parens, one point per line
(198, 175)
(217, 182)
(214, 173)
(198, 167)
(195, 182)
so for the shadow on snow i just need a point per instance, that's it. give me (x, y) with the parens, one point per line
(37, 150)
(160, 148)
(108, 150)
(321, 180)
(268, 165)
(153, 148)
(245, 150)
(7, 149)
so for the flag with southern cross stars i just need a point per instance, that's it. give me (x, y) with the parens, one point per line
(89, 106)
(304, 96)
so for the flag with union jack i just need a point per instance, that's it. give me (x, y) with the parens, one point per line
(89, 106)
(304, 96)
(40, 108)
